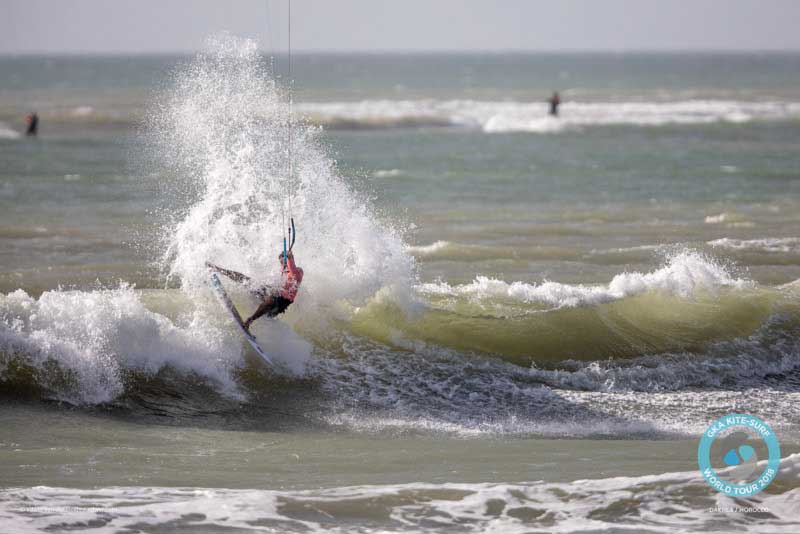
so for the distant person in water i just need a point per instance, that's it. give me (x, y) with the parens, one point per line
(33, 124)
(554, 102)
(274, 300)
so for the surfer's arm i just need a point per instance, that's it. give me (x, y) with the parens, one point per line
(292, 268)
(233, 275)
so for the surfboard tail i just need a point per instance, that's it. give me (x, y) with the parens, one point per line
(222, 295)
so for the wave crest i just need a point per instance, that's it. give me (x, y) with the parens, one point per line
(685, 274)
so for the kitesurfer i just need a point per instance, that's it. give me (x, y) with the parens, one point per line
(32, 121)
(554, 102)
(274, 300)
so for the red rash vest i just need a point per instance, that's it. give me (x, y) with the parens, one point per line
(293, 275)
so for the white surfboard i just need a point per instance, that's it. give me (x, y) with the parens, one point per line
(219, 290)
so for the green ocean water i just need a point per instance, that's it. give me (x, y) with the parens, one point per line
(499, 305)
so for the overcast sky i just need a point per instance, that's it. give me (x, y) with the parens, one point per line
(118, 26)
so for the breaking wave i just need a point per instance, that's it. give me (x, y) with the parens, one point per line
(688, 324)
(81, 345)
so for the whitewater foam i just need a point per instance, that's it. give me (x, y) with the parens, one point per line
(96, 337)
(8, 133)
(664, 503)
(731, 220)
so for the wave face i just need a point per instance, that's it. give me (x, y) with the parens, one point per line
(503, 117)
(668, 502)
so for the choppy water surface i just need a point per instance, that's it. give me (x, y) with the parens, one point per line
(509, 321)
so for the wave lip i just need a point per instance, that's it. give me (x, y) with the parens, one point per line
(505, 117)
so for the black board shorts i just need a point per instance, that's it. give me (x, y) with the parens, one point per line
(279, 305)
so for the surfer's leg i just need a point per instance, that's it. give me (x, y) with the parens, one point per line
(233, 275)
(265, 307)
